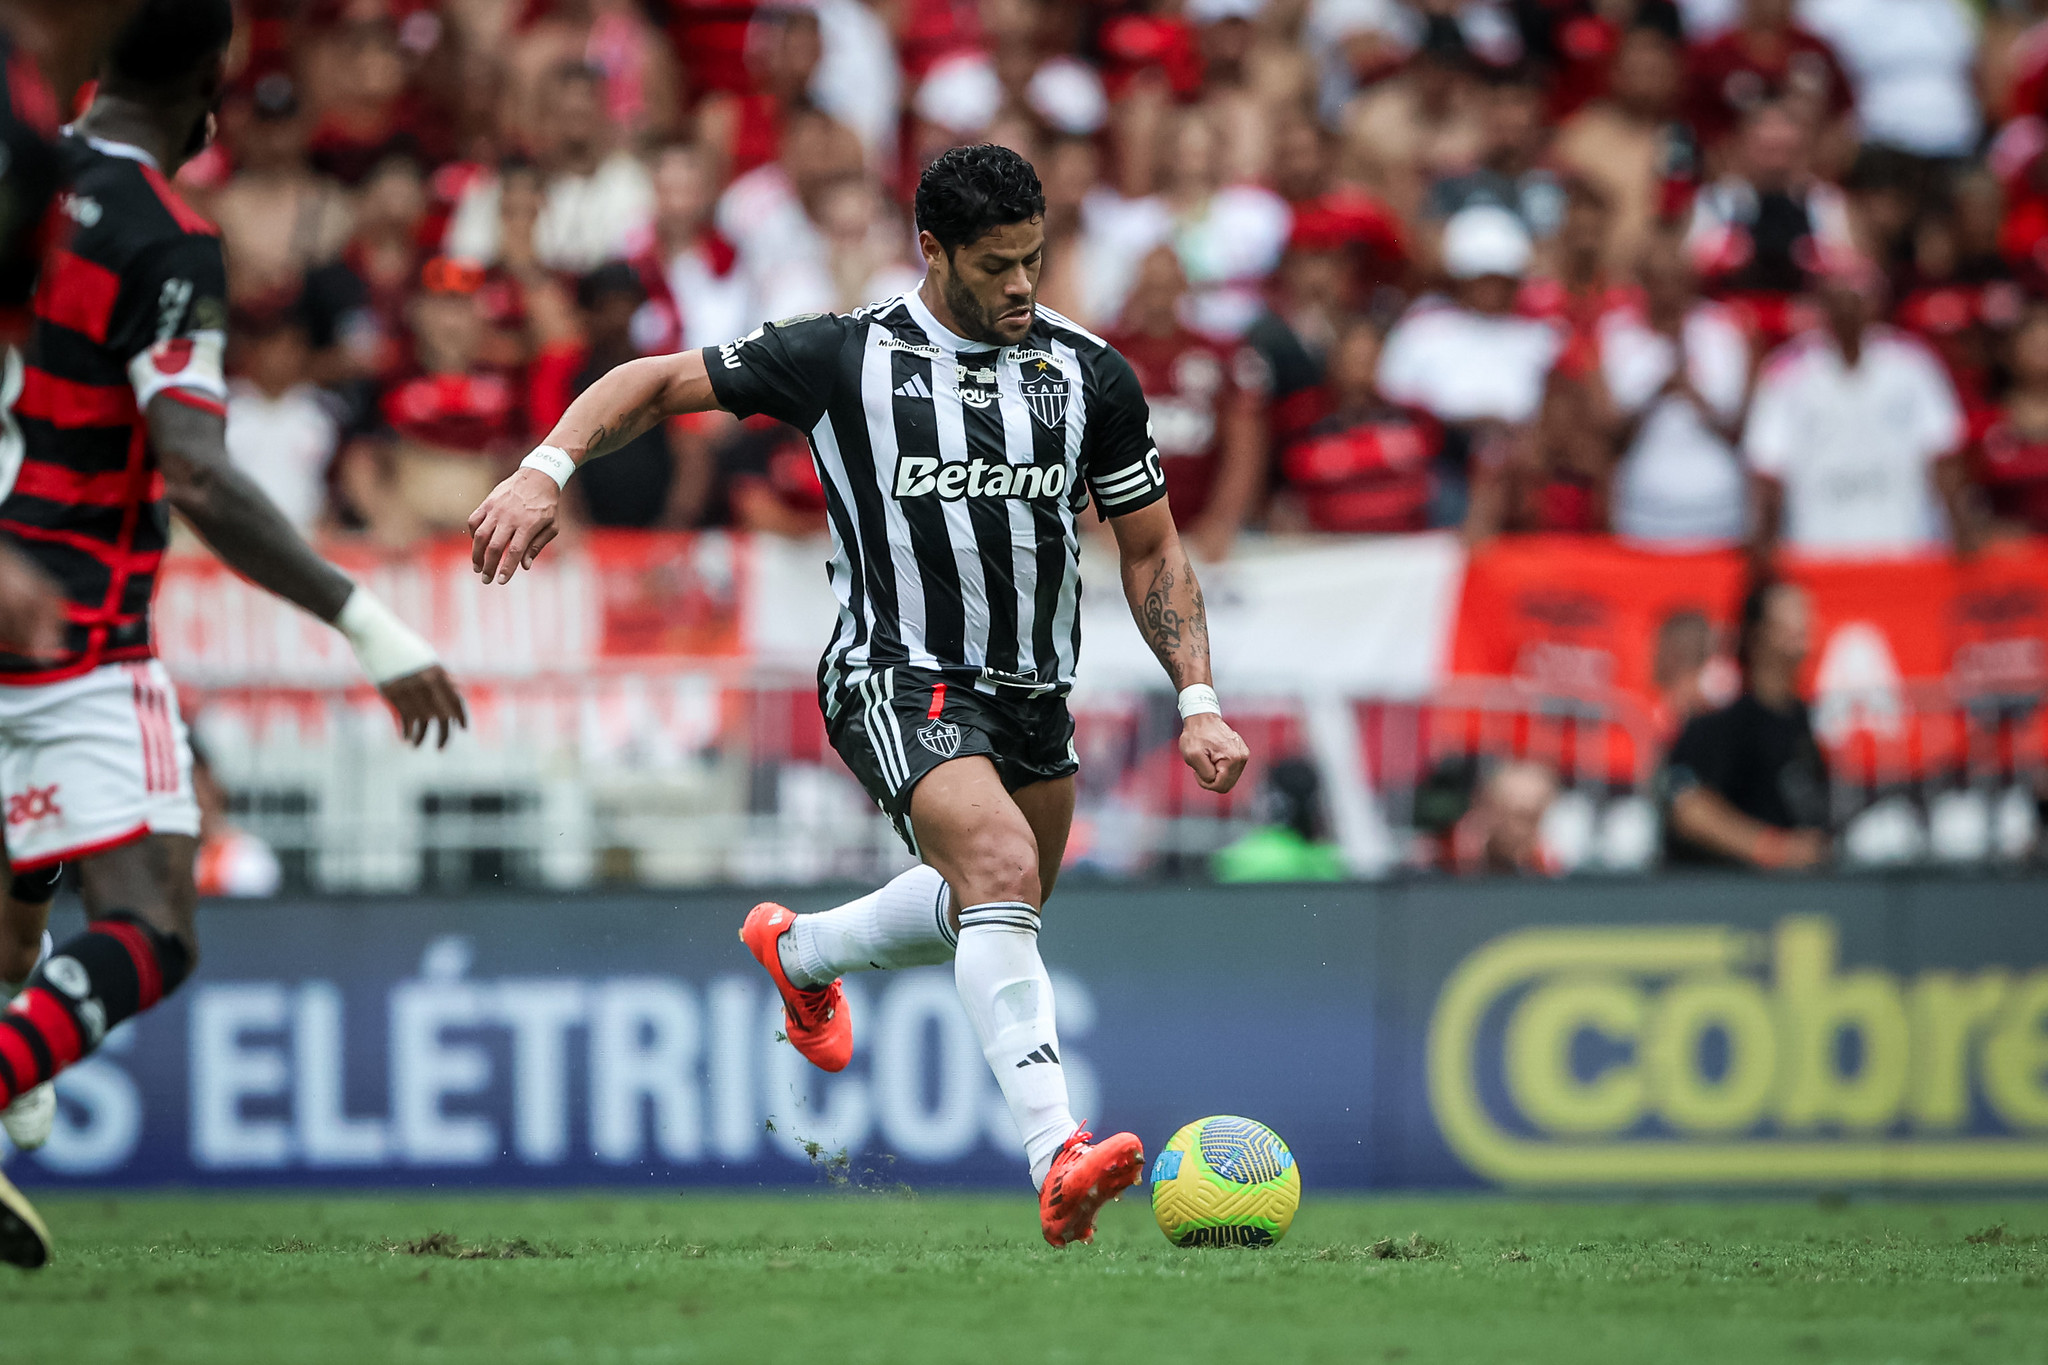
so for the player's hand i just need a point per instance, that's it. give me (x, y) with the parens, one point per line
(31, 608)
(424, 701)
(514, 524)
(1215, 751)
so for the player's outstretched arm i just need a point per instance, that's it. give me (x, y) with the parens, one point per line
(1160, 585)
(252, 537)
(519, 518)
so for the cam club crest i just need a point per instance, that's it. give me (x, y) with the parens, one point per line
(942, 737)
(1045, 389)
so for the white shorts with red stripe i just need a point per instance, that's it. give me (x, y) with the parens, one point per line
(93, 762)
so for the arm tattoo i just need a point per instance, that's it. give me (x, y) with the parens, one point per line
(1175, 621)
(622, 429)
(1159, 622)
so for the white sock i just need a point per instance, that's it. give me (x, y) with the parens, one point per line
(902, 925)
(1008, 997)
(10, 989)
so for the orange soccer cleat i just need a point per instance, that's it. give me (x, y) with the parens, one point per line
(1083, 1178)
(820, 1024)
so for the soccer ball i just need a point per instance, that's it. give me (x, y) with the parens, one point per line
(1225, 1181)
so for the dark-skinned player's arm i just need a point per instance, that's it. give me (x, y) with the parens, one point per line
(1166, 601)
(516, 522)
(253, 538)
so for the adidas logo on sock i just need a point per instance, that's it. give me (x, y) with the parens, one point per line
(1043, 1054)
(913, 387)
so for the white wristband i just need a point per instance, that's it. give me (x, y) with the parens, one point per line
(1199, 700)
(385, 646)
(552, 461)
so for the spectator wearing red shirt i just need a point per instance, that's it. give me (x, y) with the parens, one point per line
(1583, 290)
(372, 109)
(637, 484)
(1366, 466)
(1757, 229)
(768, 481)
(1767, 58)
(697, 294)
(356, 305)
(2008, 451)
(1208, 407)
(454, 425)
(1961, 295)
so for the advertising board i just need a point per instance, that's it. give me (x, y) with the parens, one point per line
(1695, 1033)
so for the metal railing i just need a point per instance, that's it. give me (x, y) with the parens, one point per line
(691, 777)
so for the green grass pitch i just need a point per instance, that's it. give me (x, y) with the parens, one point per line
(827, 1279)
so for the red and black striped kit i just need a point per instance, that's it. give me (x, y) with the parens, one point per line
(131, 306)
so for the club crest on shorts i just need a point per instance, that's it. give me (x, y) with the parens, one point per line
(942, 737)
(1045, 389)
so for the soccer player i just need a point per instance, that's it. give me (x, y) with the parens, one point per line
(123, 415)
(46, 48)
(959, 431)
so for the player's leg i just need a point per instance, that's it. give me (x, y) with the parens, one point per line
(24, 943)
(914, 920)
(972, 831)
(107, 761)
(907, 923)
(978, 836)
(1049, 809)
(138, 946)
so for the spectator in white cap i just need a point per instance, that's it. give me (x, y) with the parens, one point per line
(1467, 360)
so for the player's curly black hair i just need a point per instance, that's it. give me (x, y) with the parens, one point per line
(969, 190)
(169, 45)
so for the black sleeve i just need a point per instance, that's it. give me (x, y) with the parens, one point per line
(785, 370)
(1699, 758)
(1118, 457)
(170, 319)
(29, 177)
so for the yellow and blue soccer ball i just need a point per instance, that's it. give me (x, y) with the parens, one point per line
(1225, 1181)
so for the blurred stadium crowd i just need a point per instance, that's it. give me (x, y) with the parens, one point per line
(1539, 265)
(1725, 273)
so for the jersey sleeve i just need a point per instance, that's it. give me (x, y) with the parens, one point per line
(1119, 459)
(785, 370)
(170, 321)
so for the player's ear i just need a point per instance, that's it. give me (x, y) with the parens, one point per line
(934, 253)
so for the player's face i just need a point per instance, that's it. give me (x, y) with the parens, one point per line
(991, 283)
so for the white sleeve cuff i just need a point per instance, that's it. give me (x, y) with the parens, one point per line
(187, 362)
(385, 646)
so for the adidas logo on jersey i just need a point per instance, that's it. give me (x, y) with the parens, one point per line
(919, 476)
(913, 387)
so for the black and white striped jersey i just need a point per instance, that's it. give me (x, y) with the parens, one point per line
(954, 472)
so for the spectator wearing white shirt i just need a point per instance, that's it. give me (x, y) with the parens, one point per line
(1914, 66)
(1676, 371)
(283, 430)
(597, 202)
(1470, 361)
(700, 295)
(1854, 434)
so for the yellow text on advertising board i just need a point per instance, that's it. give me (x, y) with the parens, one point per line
(1785, 1104)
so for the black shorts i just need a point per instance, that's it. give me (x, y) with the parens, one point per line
(901, 723)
